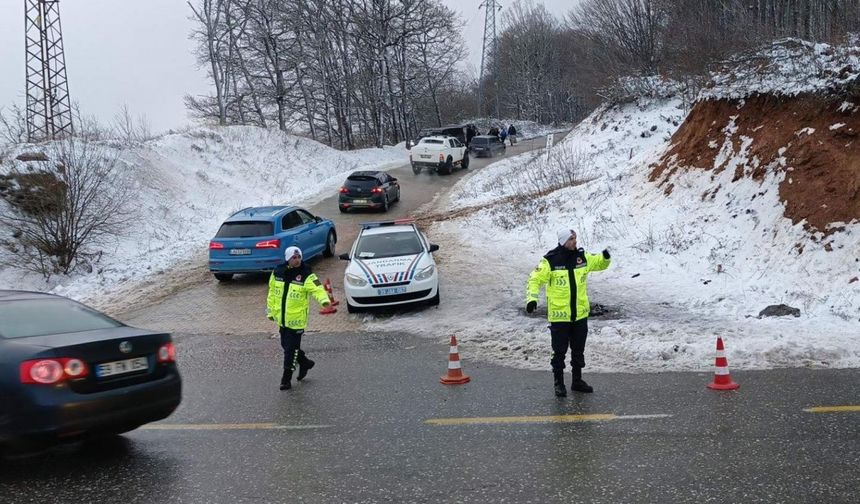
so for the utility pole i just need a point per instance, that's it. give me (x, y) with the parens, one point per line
(49, 110)
(488, 54)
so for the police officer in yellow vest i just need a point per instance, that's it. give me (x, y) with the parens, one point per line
(290, 286)
(564, 271)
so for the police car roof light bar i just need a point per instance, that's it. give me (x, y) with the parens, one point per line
(396, 222)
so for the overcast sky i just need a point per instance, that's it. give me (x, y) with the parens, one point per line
(138, 53)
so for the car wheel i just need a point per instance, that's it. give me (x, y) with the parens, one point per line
(224, 277)
(416, 169)
(342, 209)
(447, 167)
(329, 244)
(465, 161)
(385, 204)
(434, 301)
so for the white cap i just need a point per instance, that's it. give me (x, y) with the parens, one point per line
(290, 252)
(564, 235)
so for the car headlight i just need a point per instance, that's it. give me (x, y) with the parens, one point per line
(355, 280)
(425, 273)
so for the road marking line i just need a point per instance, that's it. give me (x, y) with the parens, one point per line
(239, 426)
(831, 409)
(595, 417)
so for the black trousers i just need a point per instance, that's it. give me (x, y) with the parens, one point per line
(291, 342)
(573, 335)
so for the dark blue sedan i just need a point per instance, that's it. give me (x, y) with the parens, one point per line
(254, 239)
(69, 372)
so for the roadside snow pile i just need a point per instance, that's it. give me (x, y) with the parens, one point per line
(787, 68)
(686, 267)
(186, 184)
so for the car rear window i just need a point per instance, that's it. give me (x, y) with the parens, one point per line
(362, 181)
(428, 141)
(246, 229)
(480, 141)
(38, 317)
(388, 245)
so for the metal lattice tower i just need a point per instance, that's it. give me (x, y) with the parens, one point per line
(489, 52)
(49, 110)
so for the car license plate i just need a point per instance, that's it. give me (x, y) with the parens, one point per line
(387, 291)
(359, 201)
(121, 367)
(240, 251)
(424, 156)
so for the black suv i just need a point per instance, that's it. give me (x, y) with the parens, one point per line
(368, 189)
(486, 145)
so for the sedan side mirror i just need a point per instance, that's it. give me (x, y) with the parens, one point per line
(344, 256)
(318, 219)
(434, 247)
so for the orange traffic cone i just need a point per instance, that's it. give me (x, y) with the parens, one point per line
(722, 378)
(455, 374)
(328, 310)
(327, 285)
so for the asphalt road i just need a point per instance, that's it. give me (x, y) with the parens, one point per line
(372, 423)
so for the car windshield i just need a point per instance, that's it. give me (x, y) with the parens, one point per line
(37, 317)
(480, 141)
(431, 141)
(246, 229)
(388, 245)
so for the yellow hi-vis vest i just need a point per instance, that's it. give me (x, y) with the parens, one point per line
(288, 300)
(555, 275)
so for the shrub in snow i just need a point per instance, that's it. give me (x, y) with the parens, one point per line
(63, 208)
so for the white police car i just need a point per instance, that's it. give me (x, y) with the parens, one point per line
(391, 263)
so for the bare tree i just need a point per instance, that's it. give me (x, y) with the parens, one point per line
(13, 125)
(65, 210)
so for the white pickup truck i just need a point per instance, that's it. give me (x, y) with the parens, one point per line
(438, 153)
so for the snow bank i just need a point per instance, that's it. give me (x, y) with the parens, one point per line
(186, 184)
(685, 270)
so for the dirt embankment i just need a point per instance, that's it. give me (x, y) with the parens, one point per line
(816, 135)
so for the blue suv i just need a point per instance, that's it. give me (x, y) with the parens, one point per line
(253, 240)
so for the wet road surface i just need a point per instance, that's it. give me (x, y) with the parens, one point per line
(372, 423)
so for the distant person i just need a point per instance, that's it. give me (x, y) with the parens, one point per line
(494, 131)
(470, 134)
(512, 134)
(290, 286)
(503, 134)
(563, 270)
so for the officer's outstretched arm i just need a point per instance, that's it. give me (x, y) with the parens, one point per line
(313, 285)
(537, 279)
(596, 262)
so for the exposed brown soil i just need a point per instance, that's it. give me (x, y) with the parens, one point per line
(823, 186)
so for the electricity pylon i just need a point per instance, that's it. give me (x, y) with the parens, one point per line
(49, 110)
(488, 54)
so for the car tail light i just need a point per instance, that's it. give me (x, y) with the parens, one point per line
(213, 245)
(167, 353)
(52, 371)
(376, 190)
(273, 244)
(344, 190)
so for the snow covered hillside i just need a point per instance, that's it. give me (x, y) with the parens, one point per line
(697, 252)
(186, 184)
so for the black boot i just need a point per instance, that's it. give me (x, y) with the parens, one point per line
(286, 378)
(579, 385)
(558, 377)
(305, 365)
